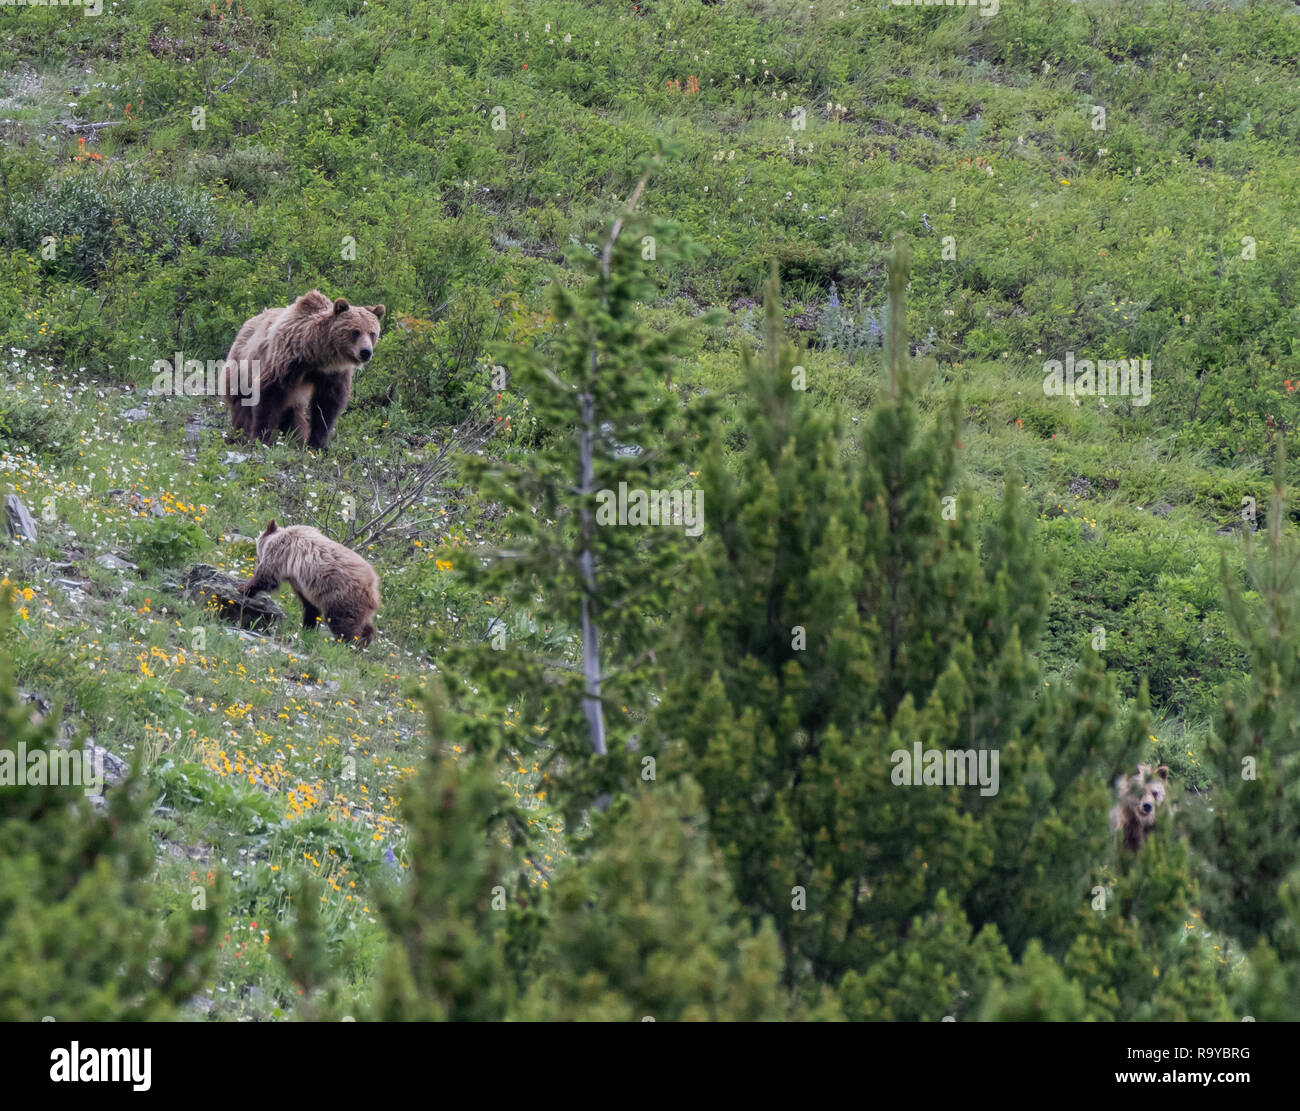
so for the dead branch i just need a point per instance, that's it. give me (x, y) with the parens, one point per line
(471, 432)
(226, 84)
(93, 128)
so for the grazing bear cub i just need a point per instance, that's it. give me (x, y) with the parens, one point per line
(329, 579)
(304, 356)
(1139, 798)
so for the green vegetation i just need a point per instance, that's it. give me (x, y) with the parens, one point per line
(1106, 180)
(83, 935)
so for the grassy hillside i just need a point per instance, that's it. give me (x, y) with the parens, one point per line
(1112, 180)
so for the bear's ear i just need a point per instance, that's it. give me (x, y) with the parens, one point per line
(379, 311)
(1163, 772)
(1144, 770)
(341, 306)
(271, 527)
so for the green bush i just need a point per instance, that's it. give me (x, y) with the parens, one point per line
(853, 328)
(255, 170)
(166, 541)
(29, 426)
(95, 215)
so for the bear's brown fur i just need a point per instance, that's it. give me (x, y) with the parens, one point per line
(1140, 796)
(305, 354)
(329, 579)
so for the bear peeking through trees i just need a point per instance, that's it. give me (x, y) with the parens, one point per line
(330, 580)
(1140, 796)
(304, 356)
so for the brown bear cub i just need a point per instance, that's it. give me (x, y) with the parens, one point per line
(329, 579)
(302, 358)
(1139, 798)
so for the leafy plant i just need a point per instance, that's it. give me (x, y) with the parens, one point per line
(168, 541)
(88, 217)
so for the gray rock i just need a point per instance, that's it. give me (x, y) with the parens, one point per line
(234, 458)
(18, 520)
(136, 414)
(74, 591)
(114, 563)
(217, 590)
(115, 768)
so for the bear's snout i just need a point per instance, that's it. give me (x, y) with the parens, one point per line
(1147, 808)
(365, 354)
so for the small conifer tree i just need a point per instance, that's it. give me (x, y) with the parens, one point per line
(1249, 835)
(449, 918)
(846, 612)
(600, 386)
(84, 934)
(645, 927)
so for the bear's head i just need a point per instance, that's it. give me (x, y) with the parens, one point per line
(1141, 795)
(354, 331)
(270, 528)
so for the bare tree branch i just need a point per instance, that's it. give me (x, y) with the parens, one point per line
(226, 84)
(471, 432)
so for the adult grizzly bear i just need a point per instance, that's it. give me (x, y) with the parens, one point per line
(304, 356)
(329, 579)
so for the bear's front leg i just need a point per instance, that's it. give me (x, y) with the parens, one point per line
(260, 582)
(331, 396)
